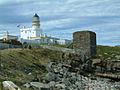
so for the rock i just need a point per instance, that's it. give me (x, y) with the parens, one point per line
(27, 85)
(60, 86)
(56, 70)
(29, 73)
(79, 77)
(40, 86)
(73, 79)
(1, 65)
(50, 76)
(52, 83)
(118, 57)
(78, 83)
(50, 67)
(9, 85)
(66, 81)
(60, 78)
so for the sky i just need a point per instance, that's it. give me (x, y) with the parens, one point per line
(60, 18)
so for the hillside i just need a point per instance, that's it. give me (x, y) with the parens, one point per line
(108, 52)
(24, 65)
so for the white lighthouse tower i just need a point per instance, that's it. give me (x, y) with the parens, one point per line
(31, 33)
(35, 21)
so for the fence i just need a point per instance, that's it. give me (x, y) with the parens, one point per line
(7, 46)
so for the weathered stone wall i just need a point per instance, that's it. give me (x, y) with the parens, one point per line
(86, 42)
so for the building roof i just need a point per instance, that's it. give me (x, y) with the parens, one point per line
(35, 15)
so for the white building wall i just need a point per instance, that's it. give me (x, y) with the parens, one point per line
(27, 33)
(63, 41)
(9, 37)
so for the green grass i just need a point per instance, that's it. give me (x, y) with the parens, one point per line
(107, 52)
(18, 63)
(56, 45)
(1, 86)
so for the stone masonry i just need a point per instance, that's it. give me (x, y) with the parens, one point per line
(86, 42)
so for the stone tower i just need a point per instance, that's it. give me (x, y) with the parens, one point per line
(85, 41)
(35, 21)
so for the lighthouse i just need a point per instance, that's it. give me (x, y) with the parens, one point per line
(31, 33)
(35, 22)
(34, 34)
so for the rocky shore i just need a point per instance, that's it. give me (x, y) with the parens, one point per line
(61, 78)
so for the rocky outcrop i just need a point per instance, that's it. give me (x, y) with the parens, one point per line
(60, 77)
(75, 58)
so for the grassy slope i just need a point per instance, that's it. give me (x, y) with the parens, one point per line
(107, 52)
(18, 63)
